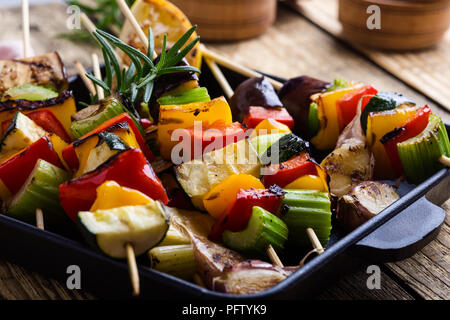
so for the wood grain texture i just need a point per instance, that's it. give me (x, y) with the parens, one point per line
(293, 46)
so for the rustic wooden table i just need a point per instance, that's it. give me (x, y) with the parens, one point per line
(293, 46)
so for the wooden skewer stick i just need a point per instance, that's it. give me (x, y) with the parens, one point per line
(39, 219)
(82, 73)
(98, 75)
(220, 77)
(274, 257)
(314, 240)
(26, 28)
(236, 67)
(206, 52)
(137, 28)
(132, 268)
(87, 23)
(445, 161)
(316, 244)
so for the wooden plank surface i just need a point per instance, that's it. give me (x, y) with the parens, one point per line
(293, 46)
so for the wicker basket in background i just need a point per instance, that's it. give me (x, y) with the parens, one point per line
(220, 20)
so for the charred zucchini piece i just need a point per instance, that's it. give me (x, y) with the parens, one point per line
(185, 97)
(302, 209)
(263, 229)
(197, 177)
(29, 92)
(174, 237)
(91, 117)
(177, 260)
(383, 101)
(263, 142)
(40, 190)
(143, 226)
(21, 132)
(419, 155)
(107, 146)
(284, 149)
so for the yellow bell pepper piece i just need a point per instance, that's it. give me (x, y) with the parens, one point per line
(173, 117)
(378, 124)
(219, 197)
(308, 182)
(59, 145)
(111, 195)
(84, 148)
(62, 111)
(330, 127)
(269, 126)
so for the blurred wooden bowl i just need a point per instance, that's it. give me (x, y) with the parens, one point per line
(405, 24)
(229, 19)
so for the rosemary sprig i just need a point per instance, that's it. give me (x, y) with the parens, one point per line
(138, 80)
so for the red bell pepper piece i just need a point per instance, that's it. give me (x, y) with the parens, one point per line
(47, 121)
(236, 216)
(15, 170)
(70, 155)
(284, 173)
(145, 123)
(257, 114)
(128, 168)
(348, 104)
(218, 130)
(409, 129)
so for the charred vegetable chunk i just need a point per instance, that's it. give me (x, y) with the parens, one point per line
(177, 260)
(254, 92)
(15, 170)
(198, 177)
(249, 277)
(419, 155)
(110, 230)
(302, 209)
(46, 70)
(364, 201)
(256, 115)
(62, 107)
(111, 195)
(172, 117)
(40, 190)
(238, 213)
(186, 97)
(263, 229)
(91, 117)
(128, 168)
(296, 96)
(29, 92)
(285, 148)
(21, 133)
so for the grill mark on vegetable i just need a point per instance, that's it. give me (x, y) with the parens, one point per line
(170, 120)
(25, 105)
(213, 196)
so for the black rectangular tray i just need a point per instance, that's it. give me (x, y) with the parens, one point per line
(396, 233)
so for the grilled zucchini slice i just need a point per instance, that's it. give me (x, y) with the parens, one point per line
(109, 231)
(197, 177)
(21, 133)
